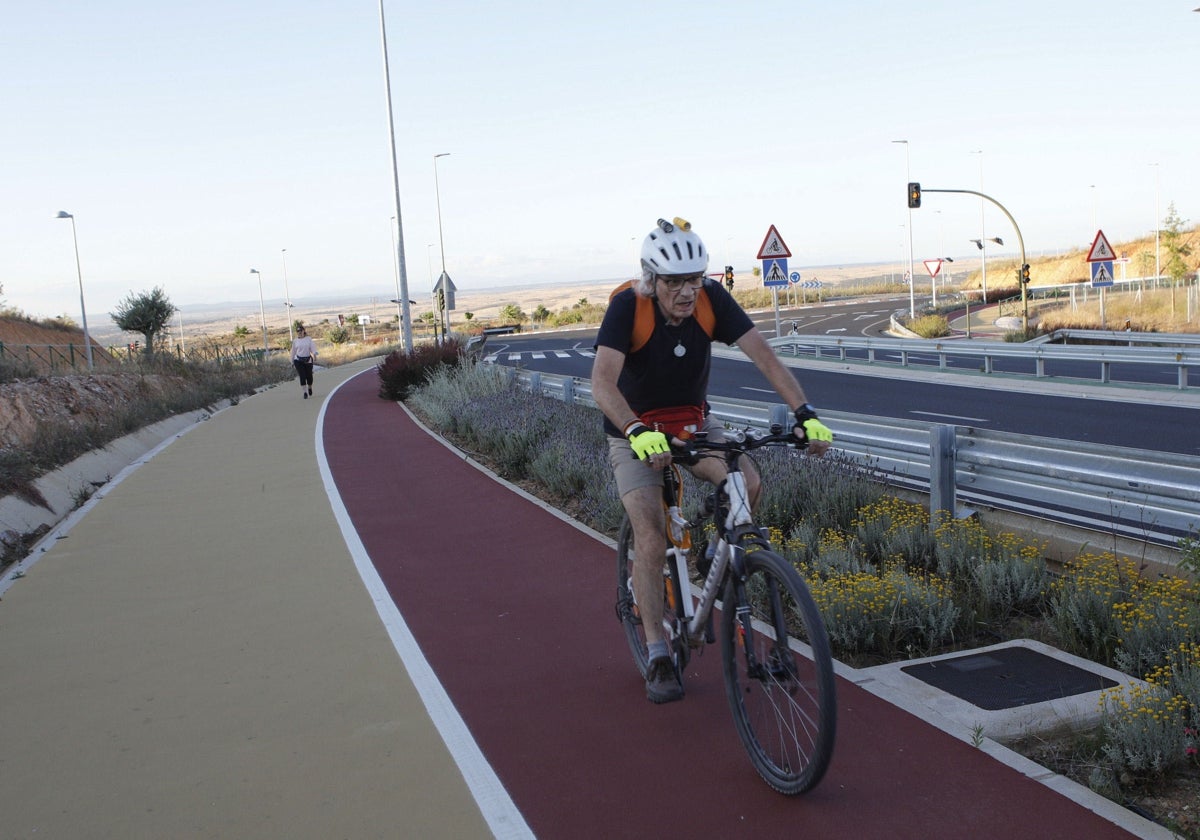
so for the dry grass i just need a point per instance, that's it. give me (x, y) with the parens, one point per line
(1152, 310)
(1072, 267)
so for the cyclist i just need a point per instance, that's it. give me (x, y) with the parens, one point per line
(653, 389)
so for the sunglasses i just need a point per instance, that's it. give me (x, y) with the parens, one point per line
(675, 282)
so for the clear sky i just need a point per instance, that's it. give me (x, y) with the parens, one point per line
(195, 141)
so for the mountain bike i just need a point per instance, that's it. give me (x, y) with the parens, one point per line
(774, 648)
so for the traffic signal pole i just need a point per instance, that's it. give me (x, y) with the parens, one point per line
(1023, 281)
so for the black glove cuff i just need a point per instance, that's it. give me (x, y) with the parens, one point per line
(805, 412)
(635, 429)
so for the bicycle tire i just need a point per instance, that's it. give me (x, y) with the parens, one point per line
(785, 711)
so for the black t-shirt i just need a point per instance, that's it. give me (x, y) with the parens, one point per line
(656, 376)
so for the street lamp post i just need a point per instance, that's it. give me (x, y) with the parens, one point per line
(912, 280)
(441, 242)
(982, 232)
(432, 291)
(287, 298)
(398, 300)
(1157, 227)
(87, 338)
(405, 314)
(262, 311)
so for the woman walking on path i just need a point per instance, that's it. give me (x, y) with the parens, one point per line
(304, 353)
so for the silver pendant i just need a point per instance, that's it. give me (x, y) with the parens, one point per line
(680, 350)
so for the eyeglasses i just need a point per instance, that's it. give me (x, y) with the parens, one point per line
(675, 282)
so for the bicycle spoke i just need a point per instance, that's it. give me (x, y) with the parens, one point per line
(782, 701)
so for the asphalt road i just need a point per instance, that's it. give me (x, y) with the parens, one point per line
(1104, 414)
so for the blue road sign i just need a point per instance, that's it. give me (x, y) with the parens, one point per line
(1102, 274)
(775, 272)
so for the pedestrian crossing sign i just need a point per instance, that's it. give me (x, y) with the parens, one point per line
(775, 273)
(1102, 274)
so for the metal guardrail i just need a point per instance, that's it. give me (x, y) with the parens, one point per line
(825, 347)
(1145, 496)
(1131, 338)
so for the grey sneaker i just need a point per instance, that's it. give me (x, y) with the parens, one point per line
(662, 685)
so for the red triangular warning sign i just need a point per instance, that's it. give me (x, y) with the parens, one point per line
(1101, 250)
(773, 246)
(933, 267)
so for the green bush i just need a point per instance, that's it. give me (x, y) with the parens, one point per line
(12, 369)
(338, 335)
(998, 576)
(1082, 603)
(930, 326)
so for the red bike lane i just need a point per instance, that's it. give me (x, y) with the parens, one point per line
(513, 609)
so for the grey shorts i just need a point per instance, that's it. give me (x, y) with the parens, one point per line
(632, 473)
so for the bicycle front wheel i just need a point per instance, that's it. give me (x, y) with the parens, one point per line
(782, 694)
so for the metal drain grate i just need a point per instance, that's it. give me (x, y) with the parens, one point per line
(1007, 677)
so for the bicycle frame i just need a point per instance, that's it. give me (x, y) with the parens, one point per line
(728, 554)
(784, 708)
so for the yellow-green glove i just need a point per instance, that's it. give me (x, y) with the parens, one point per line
(646, 442)
(808, 427)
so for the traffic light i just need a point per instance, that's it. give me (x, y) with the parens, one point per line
(729, 277)
(1025, 273)
(914, 195)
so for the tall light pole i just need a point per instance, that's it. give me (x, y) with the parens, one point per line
(262, 311)
(912, 280)
(1157, 227)
(983, 234)
(287, 297)
(396, 265)
(441, 242)
(87, 338)
(432, 291)
(405, 314)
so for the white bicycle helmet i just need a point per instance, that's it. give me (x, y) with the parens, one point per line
(672, 248)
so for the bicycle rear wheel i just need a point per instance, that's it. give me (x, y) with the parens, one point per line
(782, 697)
(627, 610)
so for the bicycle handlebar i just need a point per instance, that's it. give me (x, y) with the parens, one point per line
(736, 440)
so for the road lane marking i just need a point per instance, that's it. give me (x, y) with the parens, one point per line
(952, 416)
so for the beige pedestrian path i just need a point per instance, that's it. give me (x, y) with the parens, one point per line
(200, 658)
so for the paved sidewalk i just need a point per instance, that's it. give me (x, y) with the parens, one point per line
(199, 658)
(205, 654)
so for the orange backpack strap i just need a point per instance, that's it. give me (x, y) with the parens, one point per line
(644, 316)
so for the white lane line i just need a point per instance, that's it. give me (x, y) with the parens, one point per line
(495, 804)
(952, 416)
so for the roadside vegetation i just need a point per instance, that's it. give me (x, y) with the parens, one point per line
(888, 587)
(187, 388)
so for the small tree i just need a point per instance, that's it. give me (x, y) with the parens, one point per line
(1177, 250)
(338, 335)
(512, 313)
(147, 313)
